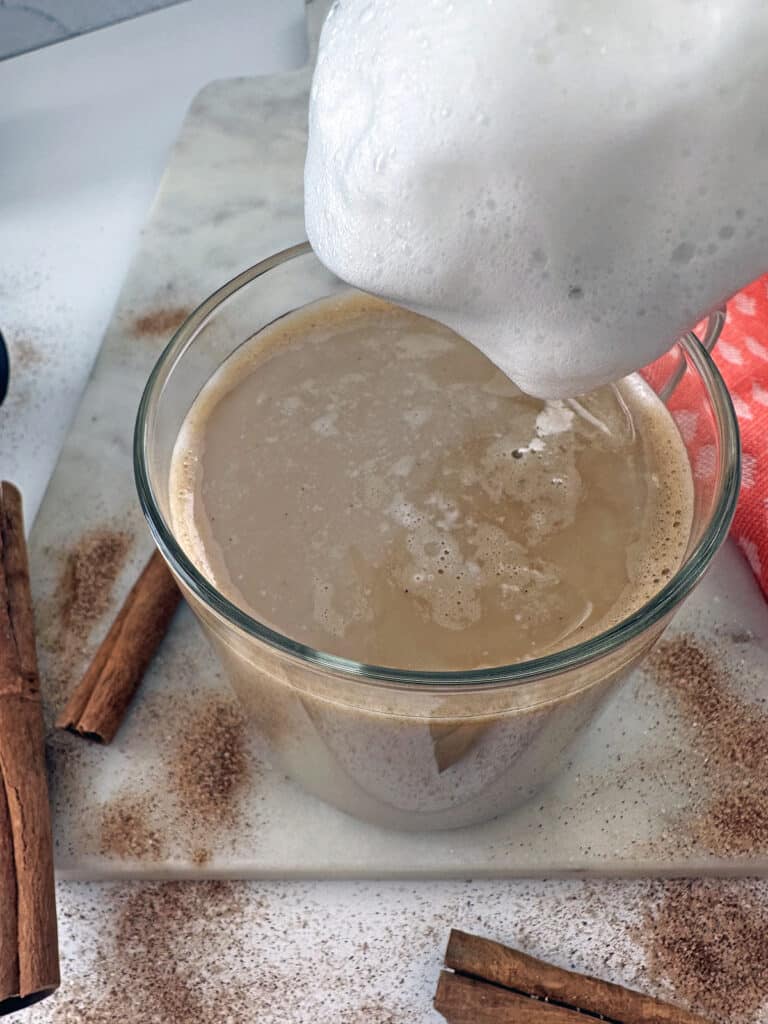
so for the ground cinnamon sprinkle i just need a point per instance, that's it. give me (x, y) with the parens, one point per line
(731, 738)
(737, 822)
(83, 595)
(126, 832)
(85, 587)
(162, 930)
(160, 321)
(706, 942)
(200, 857)
(211, 767)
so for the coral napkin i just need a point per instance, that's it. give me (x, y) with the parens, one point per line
(741, 355)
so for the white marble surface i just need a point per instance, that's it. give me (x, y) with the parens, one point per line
(634, 794)
(635, 798)
(315, 951)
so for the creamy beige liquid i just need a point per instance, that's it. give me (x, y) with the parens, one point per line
(366, 482)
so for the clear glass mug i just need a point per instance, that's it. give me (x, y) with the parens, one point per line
(410, 750)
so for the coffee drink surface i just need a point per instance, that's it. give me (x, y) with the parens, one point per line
(367, 483)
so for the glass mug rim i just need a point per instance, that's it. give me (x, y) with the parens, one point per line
(661, 604)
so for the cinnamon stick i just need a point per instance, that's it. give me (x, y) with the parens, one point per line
(463, 1000)
(98, 704)
(29, 953)
(498, 965)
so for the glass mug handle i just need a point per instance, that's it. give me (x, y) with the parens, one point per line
(712, 332)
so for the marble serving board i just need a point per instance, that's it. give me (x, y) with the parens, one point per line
(184, 790)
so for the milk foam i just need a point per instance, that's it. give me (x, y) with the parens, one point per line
(569, 184)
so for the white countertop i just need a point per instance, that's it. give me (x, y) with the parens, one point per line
(370, 953)
(84, 138)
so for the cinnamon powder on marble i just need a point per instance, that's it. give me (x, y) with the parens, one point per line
(210, 768)
(164, 320)
(731, 737)
(127, 832)
(90, 571)
(84, 594)
(736, 823)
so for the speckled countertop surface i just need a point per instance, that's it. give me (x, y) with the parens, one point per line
(368, 953)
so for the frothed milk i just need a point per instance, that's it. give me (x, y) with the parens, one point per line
(570, 184)
(367, 483)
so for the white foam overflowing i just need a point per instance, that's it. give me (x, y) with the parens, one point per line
(570, 184)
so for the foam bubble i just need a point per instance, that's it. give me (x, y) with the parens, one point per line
(554, 418)
(326, 425)
(545, 172)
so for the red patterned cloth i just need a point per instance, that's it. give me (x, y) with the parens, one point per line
(741, 355)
